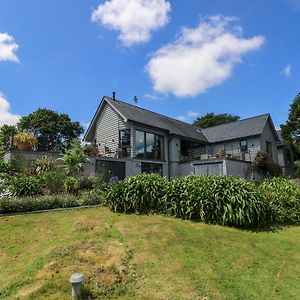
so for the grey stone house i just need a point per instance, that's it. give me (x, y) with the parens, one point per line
(129, 140)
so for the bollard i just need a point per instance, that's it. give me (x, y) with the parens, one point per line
(76, 280)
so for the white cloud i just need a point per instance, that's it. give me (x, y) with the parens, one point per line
(135, 19)
(188, 117)
(287, 71)
(200, 58)
(6, 117)
(8, 48)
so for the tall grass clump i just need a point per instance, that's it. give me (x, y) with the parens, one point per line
(215, 199)
(282, 200)
(138, 194)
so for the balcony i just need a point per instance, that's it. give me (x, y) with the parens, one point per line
(209, 153)
(112, 152)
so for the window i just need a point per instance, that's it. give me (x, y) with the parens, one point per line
(124, 136)
(140, 143)
(269, 148)
(151, 168)
(288, 156)
(149, 145)
(244, 145)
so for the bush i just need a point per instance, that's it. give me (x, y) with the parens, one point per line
(139, 194)
(52, 182)
(72, 185)
(8, 206)
(93, 197)
(44, 164)
(6, 167)
(264, 163)
(282, 200)
(215, 199)
(25, 186)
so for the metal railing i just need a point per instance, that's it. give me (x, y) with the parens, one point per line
(208, 153)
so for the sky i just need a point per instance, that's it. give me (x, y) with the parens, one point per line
(180, 58)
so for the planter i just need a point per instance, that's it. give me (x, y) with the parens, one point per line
(23, 146)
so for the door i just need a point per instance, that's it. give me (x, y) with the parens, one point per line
(210, 169)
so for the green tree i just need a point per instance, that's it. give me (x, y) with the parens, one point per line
(212, 119)
(7, 133)
(52, 128)
(290, 131)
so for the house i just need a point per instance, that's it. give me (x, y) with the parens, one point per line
(285, 157)
(129, 140)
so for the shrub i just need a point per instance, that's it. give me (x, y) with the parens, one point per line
(6, 167)
(52, 182)
(25, 186)
(71, 185)
(26, 137)
(138, 194)
(44, 164)
(215, 199)
(8, 206)
(264, 163)
(282, 200)
(93, 197)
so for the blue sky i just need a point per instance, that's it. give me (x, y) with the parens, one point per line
(180, 58)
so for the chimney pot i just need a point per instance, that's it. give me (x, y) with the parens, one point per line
(114, 95)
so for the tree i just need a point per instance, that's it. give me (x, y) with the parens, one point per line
(51, 128)
(290, 131)
(74, 159)
(7, 133)
(212, 119)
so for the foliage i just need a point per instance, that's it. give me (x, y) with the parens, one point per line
(212, 119)
(74, 159)
(6, 167)
(215, 199)
(25, 137)
(7, 133)
(94, 196)
(52, 181)
(290, 131)
(138, 194)
(72, 185)
(51, 126)
(264, 162)
(25, 186)
(282, 199)
(44, 164)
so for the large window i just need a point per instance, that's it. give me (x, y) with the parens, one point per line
(124, 142)
(149, 145)
(151, 168)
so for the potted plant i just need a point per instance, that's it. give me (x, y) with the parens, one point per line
(25, 140)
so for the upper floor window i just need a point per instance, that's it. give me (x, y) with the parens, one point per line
(149, 145)
(244, 145)
(124, 138)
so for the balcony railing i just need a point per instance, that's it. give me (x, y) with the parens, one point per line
(113, 152)
(207, 153)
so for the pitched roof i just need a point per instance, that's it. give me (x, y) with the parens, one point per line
(147, 117)
(238, 129)
(282, 141)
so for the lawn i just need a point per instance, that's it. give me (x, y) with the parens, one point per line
(144, 257)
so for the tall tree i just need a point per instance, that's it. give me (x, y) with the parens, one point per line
(212, 119)
(51, 128)
(290, 131)
(7, 133)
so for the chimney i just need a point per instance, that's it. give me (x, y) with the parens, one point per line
(114, 95)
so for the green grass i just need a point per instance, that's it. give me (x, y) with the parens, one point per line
(144, 257)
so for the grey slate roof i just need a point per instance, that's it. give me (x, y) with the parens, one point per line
(147, 117)
(236, 130)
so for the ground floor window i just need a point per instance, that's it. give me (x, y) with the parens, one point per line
(151, 168)
(108, 169)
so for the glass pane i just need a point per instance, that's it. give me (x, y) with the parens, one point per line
(125, 138)
(159, 149)
(140, 143)
(243, 145)
(150, 145)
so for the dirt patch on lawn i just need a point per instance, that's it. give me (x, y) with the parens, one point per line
(106, 268)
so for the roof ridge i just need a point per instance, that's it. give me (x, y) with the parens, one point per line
(246, 119)
(148, 110)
